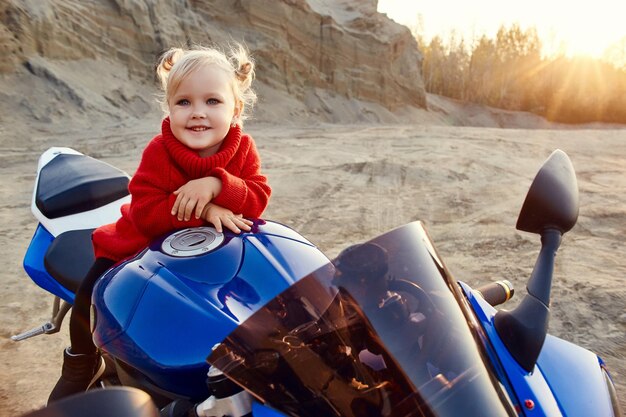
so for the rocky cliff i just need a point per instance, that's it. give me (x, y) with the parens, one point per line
(317, 59)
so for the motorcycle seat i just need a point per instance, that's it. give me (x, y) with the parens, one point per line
(71, 184)
(112, 401)
(69, 257)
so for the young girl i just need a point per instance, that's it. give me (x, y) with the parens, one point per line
(200, 169)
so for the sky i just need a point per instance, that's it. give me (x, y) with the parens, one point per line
(571, 26)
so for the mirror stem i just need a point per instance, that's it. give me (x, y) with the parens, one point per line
(524, 329)
(540, 281)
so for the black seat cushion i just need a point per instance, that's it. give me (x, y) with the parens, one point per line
(113, 401)
(69, 257)
(71, 184)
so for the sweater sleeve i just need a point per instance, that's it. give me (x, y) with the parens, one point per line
(247, 193)
(151, 198)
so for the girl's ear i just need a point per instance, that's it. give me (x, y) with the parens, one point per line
(238, 111)
(239, 108)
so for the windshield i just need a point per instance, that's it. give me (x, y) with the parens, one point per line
(377, 332)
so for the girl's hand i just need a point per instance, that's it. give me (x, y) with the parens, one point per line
(220, 216)
(194, 196)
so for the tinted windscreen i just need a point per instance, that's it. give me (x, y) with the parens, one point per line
(376, 333)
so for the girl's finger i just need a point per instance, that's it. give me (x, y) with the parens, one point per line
(218, 225)
(189, 208)
(230, 223)
(243, 221)
(242, 224)
(181, 208)
(175, 206)
(200, 208)
(240, 216)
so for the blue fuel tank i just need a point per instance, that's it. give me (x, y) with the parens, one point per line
(160, 313)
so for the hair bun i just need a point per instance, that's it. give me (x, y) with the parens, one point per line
(167, 61)
(244, 70)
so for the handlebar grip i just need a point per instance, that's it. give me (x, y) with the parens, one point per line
(496, 293)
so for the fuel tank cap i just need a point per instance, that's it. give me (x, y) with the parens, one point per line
(191, 242)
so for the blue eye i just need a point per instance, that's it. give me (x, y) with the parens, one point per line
(182, 102)
(213, 101)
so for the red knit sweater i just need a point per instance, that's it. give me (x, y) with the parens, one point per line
(166, 165)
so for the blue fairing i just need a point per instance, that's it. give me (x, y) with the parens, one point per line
(34, 264)
(566, 381)
(527, 386)
(260, 410)
(575, 377)
(162, 315)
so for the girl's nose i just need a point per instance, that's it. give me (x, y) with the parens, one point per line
(198, 113)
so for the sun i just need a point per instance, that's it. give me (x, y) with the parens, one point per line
(573, 46)
(585, 47)
(572, 41)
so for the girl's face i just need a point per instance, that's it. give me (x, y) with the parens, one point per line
(202, 109)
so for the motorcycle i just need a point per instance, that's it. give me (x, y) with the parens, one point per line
(264, 324)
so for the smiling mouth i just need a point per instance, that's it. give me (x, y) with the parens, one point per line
(198, 128)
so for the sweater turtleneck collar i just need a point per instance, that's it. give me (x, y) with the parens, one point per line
(193, 164)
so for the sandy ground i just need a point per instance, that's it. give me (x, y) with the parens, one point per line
(339, 184)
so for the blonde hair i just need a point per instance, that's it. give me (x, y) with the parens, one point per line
(176, 64)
